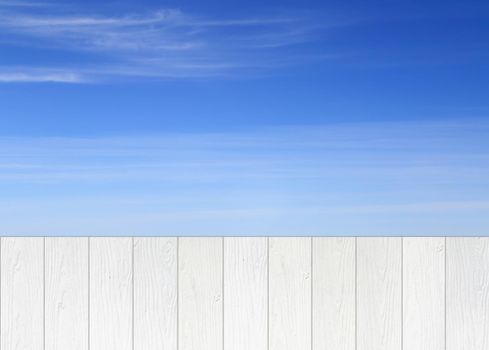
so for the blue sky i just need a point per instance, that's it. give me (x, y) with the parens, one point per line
(244, 117)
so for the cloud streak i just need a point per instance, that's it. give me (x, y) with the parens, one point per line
(159, 44)
(40, 76)
(384, 153)
(374, 178)
(13, 3)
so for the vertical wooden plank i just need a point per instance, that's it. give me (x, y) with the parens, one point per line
(467, 293)
(334, 293)
(424, 293)
(155, 293)
(379, 302)
(111, 293)
(200, 294)
(22, 294)
(66, 309)
(245, 293)
(290, 293)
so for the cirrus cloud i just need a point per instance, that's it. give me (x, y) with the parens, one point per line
(164, 43)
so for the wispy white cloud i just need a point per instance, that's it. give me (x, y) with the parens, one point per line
(39, 76)
(64, 23)
(15, 3)
(162, 43)
(416, 177)
(426, 153)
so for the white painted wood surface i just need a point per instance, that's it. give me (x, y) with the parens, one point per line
(200, 293)
(290, 294)
(467, 293)
(111, 307)
(379, 296)
(333, 293)
(424, 293)
(155, 293)
(66, 293)
(244, 293)
(22, 294)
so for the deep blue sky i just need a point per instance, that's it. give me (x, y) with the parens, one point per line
(331, 117)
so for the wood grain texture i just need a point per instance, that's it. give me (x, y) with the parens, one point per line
(379, 294)
(200, 294)
(424, 293)
(290, 293)
(334, 293)
(155, 293)
(22, 294)
(245, 293)
(111, 294)
(66, 308)
(467, 293)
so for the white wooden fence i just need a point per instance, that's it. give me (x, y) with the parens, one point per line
(244, 293)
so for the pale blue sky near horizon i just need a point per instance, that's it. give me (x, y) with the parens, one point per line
(270, 117)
